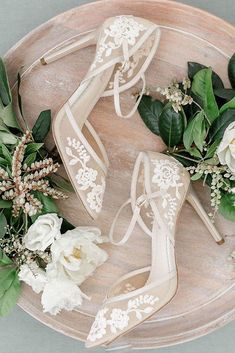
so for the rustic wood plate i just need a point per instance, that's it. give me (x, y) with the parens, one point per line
(206, 295)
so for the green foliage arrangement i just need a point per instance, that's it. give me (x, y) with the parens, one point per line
(196, 120)
(29, 184)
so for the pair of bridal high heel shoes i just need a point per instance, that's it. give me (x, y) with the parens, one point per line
(125, 46)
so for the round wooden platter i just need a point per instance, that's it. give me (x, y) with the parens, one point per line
(206, 292)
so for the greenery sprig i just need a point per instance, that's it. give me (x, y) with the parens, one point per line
(191, 117)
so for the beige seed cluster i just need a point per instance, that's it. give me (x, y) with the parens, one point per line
(25, 179)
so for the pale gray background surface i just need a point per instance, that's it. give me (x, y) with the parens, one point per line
(20, 333)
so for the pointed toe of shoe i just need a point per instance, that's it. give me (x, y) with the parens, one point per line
(98, 334)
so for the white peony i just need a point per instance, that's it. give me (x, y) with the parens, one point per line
(43, 232)
(33, 276)
(76, 255)
(61, 293)
(226, 149)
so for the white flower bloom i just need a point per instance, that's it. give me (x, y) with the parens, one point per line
(61, 293)
(33, 276)
(76, 255)
(226, 149)
(43, 232)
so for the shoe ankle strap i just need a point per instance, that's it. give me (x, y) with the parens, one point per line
(116, 95)
(139, 203)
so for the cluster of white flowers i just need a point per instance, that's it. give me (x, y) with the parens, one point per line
(219, 175)
(223, 172)
(176, 95)
(74, 256)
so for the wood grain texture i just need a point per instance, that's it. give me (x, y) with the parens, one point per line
(206, 294)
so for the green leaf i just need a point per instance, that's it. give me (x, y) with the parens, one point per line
(225, 93)
(3, 126)
(66, 226)
(199, 132)
(183, 158)
(33, 147)
(48, 203)
(19, 96)
(7, 138)
(5, 93)
(193, 151)
(196, 176)
(4, 259)
(231, 71)
(195, 132)
(202, 88)
(42, 126)
(227, 206)
(3, 224)
(6, 108)
(6, 153)
(188, 134)
(30, 159)
(212, 161)
(61, 183)
(212, 149)
(7, 114)
(6, 277)
(9, 291)
(150, 111)
(228, 105)
(3, 162)
(171, 126)
(5, 203)
(194, 67)
(217, 129)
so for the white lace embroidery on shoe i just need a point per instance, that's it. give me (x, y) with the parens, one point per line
(86, 177)
(167, 175)
(118, 319)
(122, 29)
(95, 196)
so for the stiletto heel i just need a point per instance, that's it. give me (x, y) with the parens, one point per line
(69, 46)
(192, 198)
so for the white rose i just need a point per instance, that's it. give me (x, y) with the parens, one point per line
(33, 276)
(43, 232)
(76, 254)
(61, 293)
(226, 149)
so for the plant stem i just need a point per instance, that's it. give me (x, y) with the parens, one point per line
(26, 223)
(184, 157)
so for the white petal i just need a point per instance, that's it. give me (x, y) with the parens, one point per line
(61, 294)
(34, 276)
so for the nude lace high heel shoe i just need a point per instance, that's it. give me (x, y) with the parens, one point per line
(125, 48)
(160, 185)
